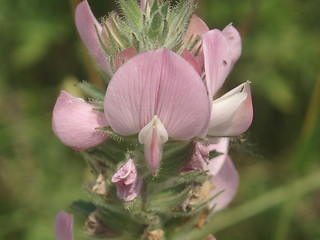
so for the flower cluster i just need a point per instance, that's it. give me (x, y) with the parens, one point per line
(160, 94)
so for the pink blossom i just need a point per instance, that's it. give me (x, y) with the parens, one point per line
(75, 122)
(158, 95)
(127, 181)
(64, 226)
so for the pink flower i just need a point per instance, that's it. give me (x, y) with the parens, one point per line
(75, 122)
(158, 95)
(127, 181)
(64, 226)
(224, 176)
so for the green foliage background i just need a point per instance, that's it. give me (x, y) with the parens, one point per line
(41, 53)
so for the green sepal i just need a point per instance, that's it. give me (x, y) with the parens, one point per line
(83, 207)
(132, 13)
(91, 90)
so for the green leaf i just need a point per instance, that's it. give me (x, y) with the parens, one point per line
(91, 90)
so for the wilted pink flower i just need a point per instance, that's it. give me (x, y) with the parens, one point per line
(74, 122)
(225, 177)
(63, 226)
(127, 181)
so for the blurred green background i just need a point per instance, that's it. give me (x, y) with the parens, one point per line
(41, 53)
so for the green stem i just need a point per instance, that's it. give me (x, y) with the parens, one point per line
(298, 188)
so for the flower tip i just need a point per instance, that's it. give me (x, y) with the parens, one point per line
(63, 226)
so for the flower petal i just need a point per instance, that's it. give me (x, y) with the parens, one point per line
(74, 122)
(232, 113)
(124, 56)
(217, 61)
(227, 180)
(64, 226)
(196, 28)
(153, 136)
(157, 83)
(192, 60)
(89, 28)
(216, 163)
(234, 40)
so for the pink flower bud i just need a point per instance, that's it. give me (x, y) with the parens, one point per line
(127, 181)
(64, 226)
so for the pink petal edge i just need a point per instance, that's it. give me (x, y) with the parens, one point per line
(89, 28)
(227, 181)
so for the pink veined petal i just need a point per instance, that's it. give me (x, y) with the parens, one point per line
(188, 56)
(226, 180)
(89, 28)
(64, 226)
(74, 122)
(217, 61)
(196, 27)
(234, 40)
(216, 163)
(124, 56)
(157, 83)
(232, 113)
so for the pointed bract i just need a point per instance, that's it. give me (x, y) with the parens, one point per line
(74, 122)
(232, 113)
(127, 181)
(63, 226)
(226, 182)
(157, 83)
(89, 28)
(153, 136)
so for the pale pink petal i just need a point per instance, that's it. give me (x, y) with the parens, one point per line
(153, 136)
(232, 113)
(216, 163)
(234, 40)
(74, 122)
(157, 83)
(217, 61)
(226, 181)
(143, 4)
(124, 56)
(127, 181)
(63, 226)
(89, 28)
(196, 28)
(190, 58)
